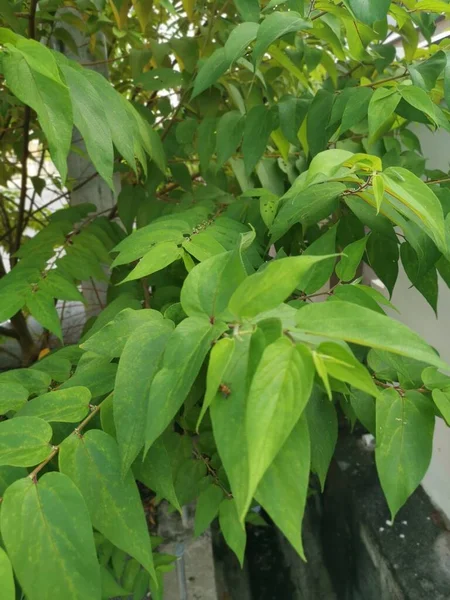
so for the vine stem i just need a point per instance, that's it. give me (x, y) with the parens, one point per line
(55, 449)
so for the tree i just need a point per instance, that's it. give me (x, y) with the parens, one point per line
(264, 152)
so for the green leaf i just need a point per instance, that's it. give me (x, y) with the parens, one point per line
(405, 428)
(43, 309)
(12, 397)
(159, 257)
(425, 74)
(318, 118)
(358, 325)
(207, 508)
(159, 79)
(248, 9)
(9, 475)
(33, 380)
(368, 11)
(423, 206)
(322, 271)
(229, 134)
(351, 259)
(50, 514)
(381, 108)
(356, 108)
(110, 587)
(120, 120)
(259, 124)
(378, 190)
(420, 100)
(99, 376)
(57, 367)
(442, 401)
(292, 112)
(275, 26)
(89, 118)
(323, 430)
(40, 86)
(239, 40)
(210, 285)
(364, 407)
(233, 531)
(137, 367)
(283, 490)
(383, 255)
(92, 461)
(63, 406)
(437, 6)
(6, 577)
(219, 359)
(156, 471)
(228, 420)
(271, 286)
(425, 283)
(110, 339)
(343, 366)
(306, 206)
(24, 441)
(210, 71)
(279, 391)
(111, 311)
(183, 357)
(433, 379)
(206, 141)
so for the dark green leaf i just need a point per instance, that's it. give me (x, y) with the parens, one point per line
(322, 271)
(317, 121)
(275, 26)
(425, 74)
(259, 124)
(323, 430)
(369, 11)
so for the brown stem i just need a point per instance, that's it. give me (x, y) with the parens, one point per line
(26, 140)
(11, 333)
(55, 450)
(144, 281)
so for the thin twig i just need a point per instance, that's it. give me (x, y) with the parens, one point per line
(26, 140)
(55, 449)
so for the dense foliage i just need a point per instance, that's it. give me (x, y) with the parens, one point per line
(265, 152)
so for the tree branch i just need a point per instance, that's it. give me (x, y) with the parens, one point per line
(6, 332)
